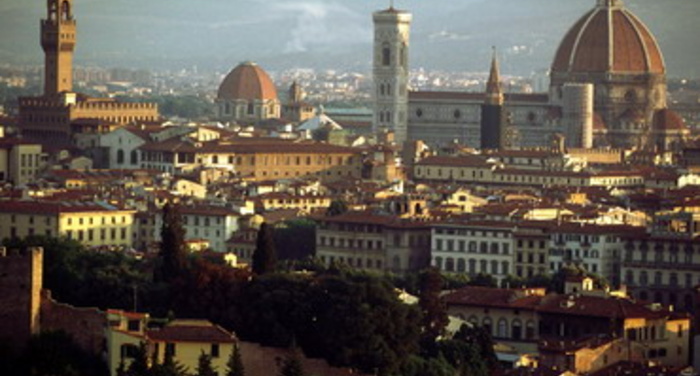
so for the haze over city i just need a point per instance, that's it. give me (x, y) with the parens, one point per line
(332, 34)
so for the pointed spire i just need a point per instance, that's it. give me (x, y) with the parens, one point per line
(493, 85)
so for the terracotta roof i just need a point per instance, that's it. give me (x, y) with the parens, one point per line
(44, 207)
(205, 332)
(206, 210)
(493, 297)
(247, 81)
(595, 306)
(462, 161)
(368, 217)
(246, 146)
(592, 45)
(667, 120)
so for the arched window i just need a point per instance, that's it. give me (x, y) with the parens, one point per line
(505, 265)
(629, 277)
(673, 280)
(516, 329)
(251, 108)
(134, 157)
(658, 279)
(386, 54)
(450, 264)
(502, 328)
(530, 329)
(643, 278)
(472, 266)
(120, 156)
(403, 56)
(461, 265)
(65, 11)
(52, 11)
(488, 326)
(381, 89)
(438, 263)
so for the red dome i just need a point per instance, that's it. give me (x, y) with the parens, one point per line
(248, 82)
(609, 38)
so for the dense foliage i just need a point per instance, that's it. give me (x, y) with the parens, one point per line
(350, 318)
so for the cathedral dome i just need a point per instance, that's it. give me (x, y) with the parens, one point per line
(247, 81)
(609, 38)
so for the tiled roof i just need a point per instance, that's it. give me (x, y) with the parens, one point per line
(462, 161)
(44, 207)
(247, 81)
(201, 332)
(493, 297)
(609, 39)
(247, 146)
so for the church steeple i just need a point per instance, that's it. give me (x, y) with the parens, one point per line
(58, 41)
(494, 94)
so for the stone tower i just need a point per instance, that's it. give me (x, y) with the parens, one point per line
(20, 295)
(492, 111)
(391, 38)
(58, 42)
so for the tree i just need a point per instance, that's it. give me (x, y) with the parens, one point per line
(433, 309)
(169, 367)
(336, 207)
(292, 364)
(173, 250)
(235, 362)
(55, 353)
(484, 280)
(295, 239)
(139, 366)
(204, 366)
(264, 256)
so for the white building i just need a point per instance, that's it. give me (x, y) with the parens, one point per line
(473, 248)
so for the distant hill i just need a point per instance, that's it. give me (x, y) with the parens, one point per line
(446, 34)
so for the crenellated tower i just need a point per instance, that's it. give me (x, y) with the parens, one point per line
(391, 38)
(58, 36)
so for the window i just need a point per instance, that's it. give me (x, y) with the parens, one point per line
(214, 350)
(386, 55)
(170, 349)
(120, 156)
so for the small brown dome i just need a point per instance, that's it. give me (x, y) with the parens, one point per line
(609, 38)
(247, 81)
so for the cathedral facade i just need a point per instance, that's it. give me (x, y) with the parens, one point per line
(608, 89)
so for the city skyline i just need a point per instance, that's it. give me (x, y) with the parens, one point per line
(331, 34)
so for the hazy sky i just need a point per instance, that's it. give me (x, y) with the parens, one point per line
(446, 34)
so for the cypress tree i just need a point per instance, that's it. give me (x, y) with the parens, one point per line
(173, 251)
(235, 362)
(264, 256)
(292, 365)
(434, 318)
(204, 366)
